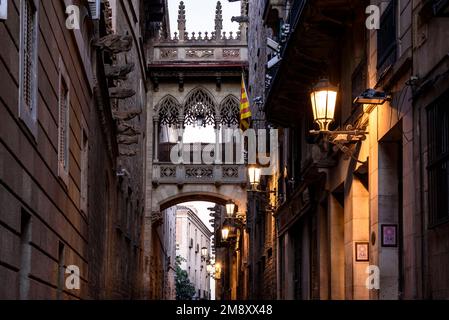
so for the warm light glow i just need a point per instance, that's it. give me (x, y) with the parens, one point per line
(230, 209)
(324, 99)
(225, 234)
(254, 176)
(217, 270)
(210, 268)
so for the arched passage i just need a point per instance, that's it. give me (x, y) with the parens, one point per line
(166, 196)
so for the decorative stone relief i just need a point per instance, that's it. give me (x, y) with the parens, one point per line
(168, 172)
(230, 172)
(199, 172)
(199, 53)
(157, 218)
(231, 53)
(169, 53)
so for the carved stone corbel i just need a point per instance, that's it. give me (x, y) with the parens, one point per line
(121, 93)
(128, 153)
(126, 115)
(127, 129)
(115, 43)
(127, 140)
(119, 72)
(157, 219)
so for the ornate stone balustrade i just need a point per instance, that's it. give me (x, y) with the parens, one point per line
(199, 174)
(166, 53)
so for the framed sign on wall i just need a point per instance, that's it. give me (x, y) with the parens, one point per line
(3, 9)
(362, 251)
(389, 234)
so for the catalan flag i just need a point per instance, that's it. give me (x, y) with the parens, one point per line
(245, 111)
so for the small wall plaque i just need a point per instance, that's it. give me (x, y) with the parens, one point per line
(389, 235)
(362, 251)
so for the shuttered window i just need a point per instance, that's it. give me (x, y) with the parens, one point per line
(28, 64)
(63, 123)
(438, 169)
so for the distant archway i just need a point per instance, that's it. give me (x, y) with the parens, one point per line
(168, 196)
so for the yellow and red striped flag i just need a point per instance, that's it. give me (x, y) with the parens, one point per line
(245, 110)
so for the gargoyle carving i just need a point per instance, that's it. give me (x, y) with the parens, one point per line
(127, 129)
(128, 153)
(126, 115)
(121, 93)
(115, 43)
(119, 72)
(126, 140)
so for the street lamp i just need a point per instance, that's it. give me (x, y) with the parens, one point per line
(225, 234)
(254, 177)
(324, 99)
(230, 209)
(204, 252)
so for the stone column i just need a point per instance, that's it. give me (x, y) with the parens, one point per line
(156, 140)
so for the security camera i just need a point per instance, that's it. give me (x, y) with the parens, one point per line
(123, 172)
(258, 100)
(273, 45)
(274, 61)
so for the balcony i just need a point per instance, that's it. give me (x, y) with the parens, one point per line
(167, 173)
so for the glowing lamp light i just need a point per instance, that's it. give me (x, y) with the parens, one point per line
(254, 176)
(225, 234)
(324, 99)
(230, 209)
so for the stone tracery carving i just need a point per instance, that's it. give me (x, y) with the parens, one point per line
(199, 109)
(199, 53)
(230, 111)
(168, 111)
(199, 106)
(231, 53)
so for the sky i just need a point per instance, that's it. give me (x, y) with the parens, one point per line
(203, 213)
(200, 15)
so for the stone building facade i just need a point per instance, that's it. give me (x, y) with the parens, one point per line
(192, 235)
(340, 202)
(71, 186)
(195, 83)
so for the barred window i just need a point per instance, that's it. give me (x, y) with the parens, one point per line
(386, 38)
(438, 169)
(28, 64)
(64, 124)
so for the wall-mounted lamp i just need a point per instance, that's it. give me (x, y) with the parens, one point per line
(225, 234)
(230, 209)
(371, 96)
(324, 98)
(254, 174)
(204, 253)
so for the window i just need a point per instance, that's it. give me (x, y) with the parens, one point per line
(25, 255)
(438, 169)
(61, 271)
(386, 38)
(64, 124)
(28, 64)
(84, 170)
